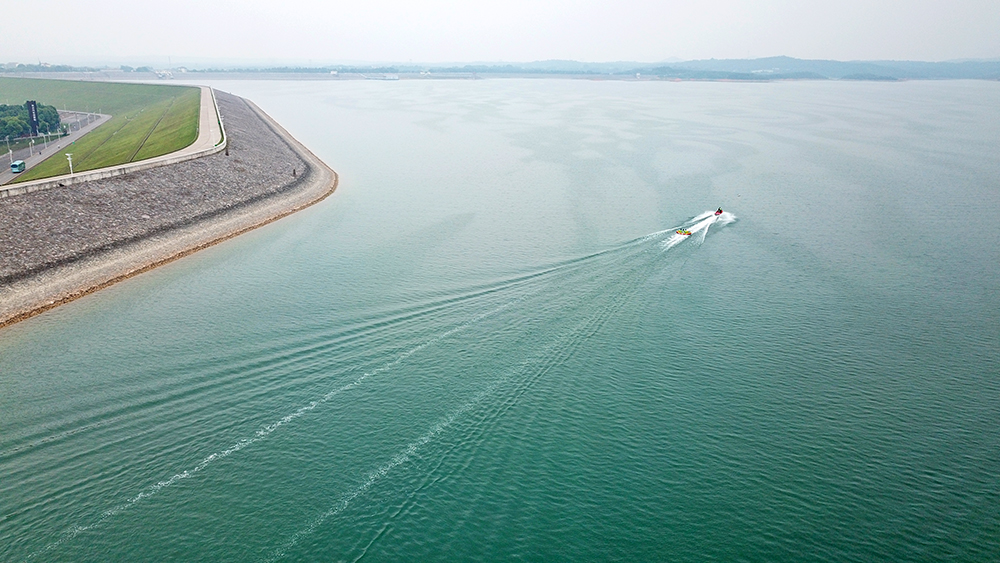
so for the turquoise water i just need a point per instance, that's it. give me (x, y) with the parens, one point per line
(489, 344)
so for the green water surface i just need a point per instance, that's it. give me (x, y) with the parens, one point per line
(485, 345)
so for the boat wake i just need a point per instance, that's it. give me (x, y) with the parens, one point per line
(698, 226)
(563, 304)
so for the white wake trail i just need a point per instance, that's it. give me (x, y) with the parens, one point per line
(269, 429)
(698, 225)
(376, 475)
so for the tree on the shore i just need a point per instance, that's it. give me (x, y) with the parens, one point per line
(48, 118)
(14, 120)
(13, 126)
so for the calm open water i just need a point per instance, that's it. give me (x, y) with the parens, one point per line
(488, 344)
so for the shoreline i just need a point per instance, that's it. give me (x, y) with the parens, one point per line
(60, 284)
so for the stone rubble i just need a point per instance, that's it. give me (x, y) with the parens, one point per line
(45, 229)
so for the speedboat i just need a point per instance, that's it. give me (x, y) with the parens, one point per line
(684, 232)
(719, 212)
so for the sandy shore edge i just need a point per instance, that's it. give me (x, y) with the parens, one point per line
(51, 288)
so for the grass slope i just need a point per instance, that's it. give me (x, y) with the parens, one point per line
(177, 126)
(147, 120)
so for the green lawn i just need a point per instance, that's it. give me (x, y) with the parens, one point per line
(176, 124)
(147, 120)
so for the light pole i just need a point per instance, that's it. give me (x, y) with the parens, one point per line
(10, 153)
(31, 146)
(69, 157)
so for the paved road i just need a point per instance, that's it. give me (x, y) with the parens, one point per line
(209, 135)
(56, 145)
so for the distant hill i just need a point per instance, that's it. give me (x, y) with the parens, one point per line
(850, 69)
(770, 68)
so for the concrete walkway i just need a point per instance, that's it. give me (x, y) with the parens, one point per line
(210, 140)
(209, 133)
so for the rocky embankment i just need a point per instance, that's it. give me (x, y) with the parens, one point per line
(58, 244)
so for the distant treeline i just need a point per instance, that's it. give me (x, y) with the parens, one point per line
(18, 67)
(694, 74)
(310, 70)
(868, 76)
(402, 69)
(850, 70)
(771, 68)
(14, 120)
(666, 72)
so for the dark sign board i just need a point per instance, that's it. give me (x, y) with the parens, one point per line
(33, 117)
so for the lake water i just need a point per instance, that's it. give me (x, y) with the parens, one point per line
(489, 344)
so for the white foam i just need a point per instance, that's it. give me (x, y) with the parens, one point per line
(673, 241)
(699, 224)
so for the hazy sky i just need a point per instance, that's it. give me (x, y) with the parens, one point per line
(303, 31)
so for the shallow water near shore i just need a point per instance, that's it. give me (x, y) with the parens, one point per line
(490, 344)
